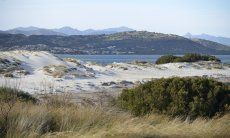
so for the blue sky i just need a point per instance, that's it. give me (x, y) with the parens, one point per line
(166, 16)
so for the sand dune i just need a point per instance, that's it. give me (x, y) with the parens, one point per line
(42, 72)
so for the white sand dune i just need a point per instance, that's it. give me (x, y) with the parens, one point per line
(49, 73)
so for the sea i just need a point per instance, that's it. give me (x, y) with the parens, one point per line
(107, 59)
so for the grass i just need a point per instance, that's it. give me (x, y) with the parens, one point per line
(57, 71)
(58, 117)
(47, 121)
(9, 68)
(77, 62)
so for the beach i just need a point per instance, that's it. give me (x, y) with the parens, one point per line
(43, 72)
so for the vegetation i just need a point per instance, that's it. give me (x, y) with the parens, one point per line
(9, 94)
(9, 75)
(7, 68)
(56, 116)
(56, 71)
(211, 44)
(186, 58)
(8, 98)
(177, 97)
(135, 42)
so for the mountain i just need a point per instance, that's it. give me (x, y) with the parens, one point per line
(119, 29)
(134, 42)
(32, 31)
(222, 40)
(2, 32)
(30, 28)
(68, 31)
(72, 31)
(112, 30)
(211, 44)
(64, 31)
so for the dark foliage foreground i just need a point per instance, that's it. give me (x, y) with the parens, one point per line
(177, 97)
(186, 58)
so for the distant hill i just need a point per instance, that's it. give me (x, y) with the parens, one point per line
(211, 44)
(221, 40)
(2, 32)
(68, 31)
(30, 28)
(33, 31)
(72, 31)
(134, 42)
(63, 31)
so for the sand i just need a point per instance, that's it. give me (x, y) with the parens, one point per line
(51, 74)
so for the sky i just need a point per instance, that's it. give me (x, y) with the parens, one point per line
(165, 16)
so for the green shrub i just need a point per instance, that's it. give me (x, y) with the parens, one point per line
(192, 97)
(166, 59)
(186, 58)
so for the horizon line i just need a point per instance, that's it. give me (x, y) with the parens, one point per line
(122, 26)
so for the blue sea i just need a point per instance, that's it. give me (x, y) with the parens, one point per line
(107, 59)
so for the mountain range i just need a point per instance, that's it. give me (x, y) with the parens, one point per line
(64, 31)
(222, 40)
(132, 42)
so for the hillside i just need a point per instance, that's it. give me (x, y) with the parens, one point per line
(134, 42)
(72, 31)
(211, 44)
(219, 39)
(64, 31)
(33, 31)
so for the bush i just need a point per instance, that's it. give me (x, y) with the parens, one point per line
(9, 75)
(177, 97)
(166, 59)
(186, 58)
(67, 119)
(7, 94)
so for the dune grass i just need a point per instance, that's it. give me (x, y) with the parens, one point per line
(27, 120)
(58, 117)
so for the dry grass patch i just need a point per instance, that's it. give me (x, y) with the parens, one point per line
(156, 126)
(77, 62)
(59, 117)
(56, 71)
(27, 120)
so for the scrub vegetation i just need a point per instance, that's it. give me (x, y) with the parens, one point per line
(23, 115)
(186, 58)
